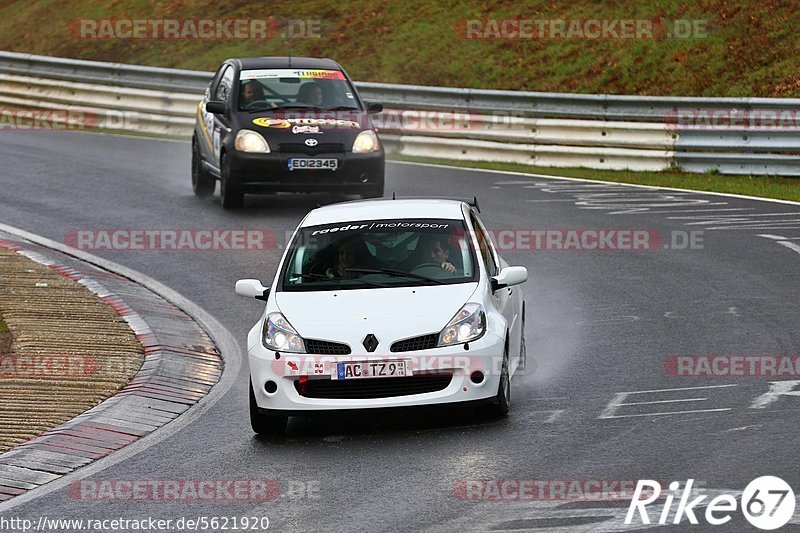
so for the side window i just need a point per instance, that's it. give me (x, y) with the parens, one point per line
(485, 246)
(223, 90)
(212, 85)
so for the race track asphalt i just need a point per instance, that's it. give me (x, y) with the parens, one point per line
(600, 323)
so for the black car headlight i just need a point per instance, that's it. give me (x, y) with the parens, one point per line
(366, 142)
(251, 142)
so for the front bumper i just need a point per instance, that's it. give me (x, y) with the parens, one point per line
(270, 172)
(484, 356)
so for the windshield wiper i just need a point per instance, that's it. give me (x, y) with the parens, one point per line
(323, 277)
(397, 273)
(341, 108)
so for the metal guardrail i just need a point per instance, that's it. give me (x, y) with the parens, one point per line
(547, 129)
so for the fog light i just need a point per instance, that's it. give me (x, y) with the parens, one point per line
(476, 377)
(270, 387)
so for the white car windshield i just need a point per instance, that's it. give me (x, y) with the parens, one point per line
(277, 89)
(379, 253)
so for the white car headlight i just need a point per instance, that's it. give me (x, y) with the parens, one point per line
(366, 142)
(468, 324)
(280, 336)
(251, 141)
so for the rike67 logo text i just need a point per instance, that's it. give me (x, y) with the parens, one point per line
(767, 503)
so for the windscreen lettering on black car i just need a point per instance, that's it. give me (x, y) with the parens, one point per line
(379, 253)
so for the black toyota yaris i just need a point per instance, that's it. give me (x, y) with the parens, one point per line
(270, 124)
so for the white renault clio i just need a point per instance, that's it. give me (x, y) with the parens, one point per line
(385, 303)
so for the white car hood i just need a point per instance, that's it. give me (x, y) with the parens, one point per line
(390, 314)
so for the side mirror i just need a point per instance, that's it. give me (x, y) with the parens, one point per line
(509, 276)
(218, 108)
(252, 288)
(374, 107)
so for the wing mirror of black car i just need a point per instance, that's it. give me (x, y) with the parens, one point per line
(218, 108)
(374, 107)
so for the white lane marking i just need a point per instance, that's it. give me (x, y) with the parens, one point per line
(613, 405)
(666, 401)
(727, 218)
(782, 225)
(548, 201)
(773, 237)
(610, 411)
(783, 241)
(556, 413)
(790, 245)
(672, 413)
(776, 389)
(553, 398)
(681, 388)
(681, 211)
(762, 227)
(594, 182)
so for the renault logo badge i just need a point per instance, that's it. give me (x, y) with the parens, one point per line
(370, 342)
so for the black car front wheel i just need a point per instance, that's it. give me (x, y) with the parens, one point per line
(203, 183)
(230, 196)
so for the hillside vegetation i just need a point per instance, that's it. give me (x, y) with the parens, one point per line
(746, 48)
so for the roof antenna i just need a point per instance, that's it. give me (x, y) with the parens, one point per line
(394, 195)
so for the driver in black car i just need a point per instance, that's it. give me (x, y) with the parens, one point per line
(310, 93)
(251, 92)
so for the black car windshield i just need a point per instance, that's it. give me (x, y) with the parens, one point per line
(379, 254)
(296, 89)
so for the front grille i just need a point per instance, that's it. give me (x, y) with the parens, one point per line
(425, 342)
(321, 148)
(367, 388)
(326, 347)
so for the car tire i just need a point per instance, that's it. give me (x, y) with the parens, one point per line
(502, 401)
(262, 424)
(203, 183)
(229, 195)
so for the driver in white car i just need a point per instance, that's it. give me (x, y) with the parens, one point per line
(432, 249)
